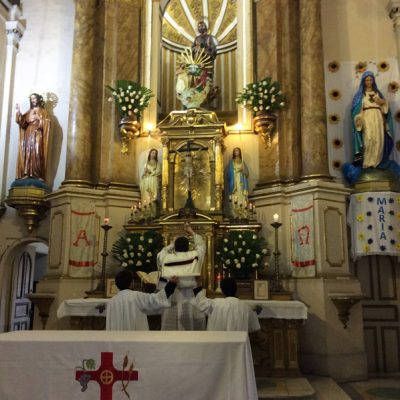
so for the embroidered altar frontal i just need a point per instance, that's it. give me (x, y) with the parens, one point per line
(110, 365)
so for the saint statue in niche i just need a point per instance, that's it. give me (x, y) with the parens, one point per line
(205, 41)
(33, 139)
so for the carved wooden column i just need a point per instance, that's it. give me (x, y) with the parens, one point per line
(165, 175)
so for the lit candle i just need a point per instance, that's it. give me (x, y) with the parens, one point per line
(276, 217)
(106, 220)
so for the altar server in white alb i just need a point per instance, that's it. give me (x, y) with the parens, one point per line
(126, 311)
(227, 314)
(176, 259)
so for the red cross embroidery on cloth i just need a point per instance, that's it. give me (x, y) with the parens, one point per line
(105, 376)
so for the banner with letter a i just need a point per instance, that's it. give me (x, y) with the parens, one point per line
(374, 218)
(302, 237)
(84, 240)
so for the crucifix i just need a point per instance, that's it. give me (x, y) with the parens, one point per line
(189, 210)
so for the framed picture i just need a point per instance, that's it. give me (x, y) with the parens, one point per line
(261, 290)
(111, 288)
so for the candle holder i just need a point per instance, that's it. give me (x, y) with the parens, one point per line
(145, 214)
(276, 283)
(241, 212)
(100, 290)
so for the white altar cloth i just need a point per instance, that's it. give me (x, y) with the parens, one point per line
(279, 309)
(43, 365)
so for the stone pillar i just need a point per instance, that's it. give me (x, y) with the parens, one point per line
(82, 114)
(244, 68)
(151, 55)
(14, 30)
(121, 55)
(314, 152)
(289, 119)
(393, 8)
(266, 62)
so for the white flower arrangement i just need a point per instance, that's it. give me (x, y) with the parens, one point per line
(130, 97)
(240, 262)
(264, 95)
(138, 251)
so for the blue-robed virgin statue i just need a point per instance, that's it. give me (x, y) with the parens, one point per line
(372, 130)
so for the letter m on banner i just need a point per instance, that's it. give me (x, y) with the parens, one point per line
(83, 244)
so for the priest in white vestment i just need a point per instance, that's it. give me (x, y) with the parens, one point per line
(229, 313)
(126, 311)
(182, 316)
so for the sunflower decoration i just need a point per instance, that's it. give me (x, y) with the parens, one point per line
(335, 94)
(333, 119)
(337, 164)
(397, 115)
(334, 66)
(360, 67)
(393, 86)
(383, 66)
(241, 252)
(138, 251)
(337, 143)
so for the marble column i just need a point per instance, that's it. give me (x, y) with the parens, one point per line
(121, 53)
(267, 65)
(289, 119)
(82, 113)
(393, 8)
(14, 31)
(314, 151)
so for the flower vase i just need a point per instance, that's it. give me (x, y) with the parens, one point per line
(129, 128)
(265, 124)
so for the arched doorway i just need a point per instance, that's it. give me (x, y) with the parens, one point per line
(23, 265)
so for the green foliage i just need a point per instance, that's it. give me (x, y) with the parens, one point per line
(130, 97)
(264, 95)
(138, 251)
(241, 252)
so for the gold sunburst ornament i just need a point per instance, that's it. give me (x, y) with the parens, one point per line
(193, 80)
(201, 59)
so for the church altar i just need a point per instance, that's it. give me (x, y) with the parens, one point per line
(94, 307)
(146, 365)
(274, 347)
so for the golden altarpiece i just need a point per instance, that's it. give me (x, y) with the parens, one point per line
(192, 183)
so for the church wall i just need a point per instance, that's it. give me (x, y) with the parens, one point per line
(3, 43)
(356, 30)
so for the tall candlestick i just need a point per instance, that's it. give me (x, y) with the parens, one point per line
(100, 290)
(276, 283)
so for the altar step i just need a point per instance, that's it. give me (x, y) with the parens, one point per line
(316, 388)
